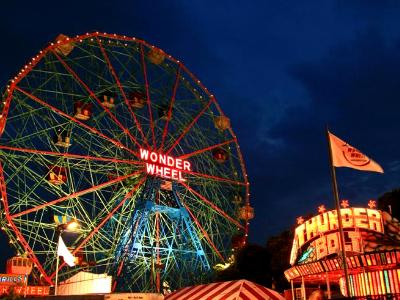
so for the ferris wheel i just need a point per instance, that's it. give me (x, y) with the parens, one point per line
(118, 136)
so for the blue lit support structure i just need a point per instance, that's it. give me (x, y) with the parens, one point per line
(163, 240)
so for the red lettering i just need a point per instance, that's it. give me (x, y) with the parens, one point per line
(18, 290)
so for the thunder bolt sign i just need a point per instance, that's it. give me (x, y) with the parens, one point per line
(164, 166)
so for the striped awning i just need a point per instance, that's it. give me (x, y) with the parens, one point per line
(229, 290)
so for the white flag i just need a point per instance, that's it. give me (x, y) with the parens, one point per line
(344, 155)
(63, 251)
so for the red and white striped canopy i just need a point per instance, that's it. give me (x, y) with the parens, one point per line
(229, 290)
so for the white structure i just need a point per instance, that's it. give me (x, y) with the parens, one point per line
(86, 283)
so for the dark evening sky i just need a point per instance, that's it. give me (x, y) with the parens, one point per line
(281, 70)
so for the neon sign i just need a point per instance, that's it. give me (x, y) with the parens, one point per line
(25, 290)
(321, 231)
(164, 166)
(12, 279)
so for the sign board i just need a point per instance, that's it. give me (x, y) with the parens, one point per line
(318, 236)
(12, 279)
(164, 166)
(29, 290)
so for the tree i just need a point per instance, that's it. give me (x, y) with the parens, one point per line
(390, 202)
(252, 262)
(279, 248)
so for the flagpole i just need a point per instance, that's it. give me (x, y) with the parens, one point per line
(339, 216)
(57, 264)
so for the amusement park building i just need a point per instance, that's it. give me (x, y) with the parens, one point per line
(372, 248)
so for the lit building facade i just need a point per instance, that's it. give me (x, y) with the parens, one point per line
(372, 247)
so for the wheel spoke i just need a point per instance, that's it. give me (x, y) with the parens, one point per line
(61, 113)
(93, 95)
(148, 95)
(216, 208)
(196, 221)
(186, 156)
(76, 194)
(71, 155)
(171, 105)
(215, 178)
(101, 224)
(186, 130)
(20, 237)
(114, 74)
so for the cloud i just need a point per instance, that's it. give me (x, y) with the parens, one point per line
(355, 88)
